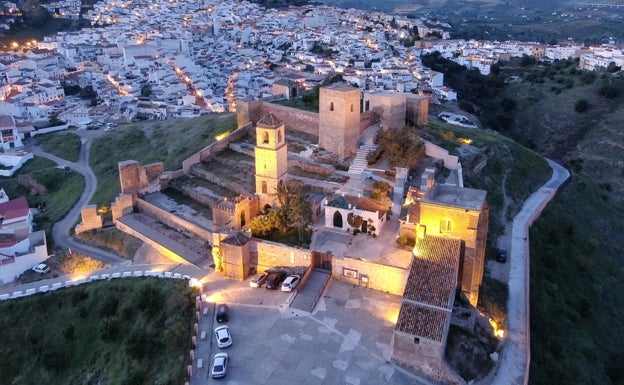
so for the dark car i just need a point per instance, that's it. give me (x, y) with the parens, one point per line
(274, 280)
(501, 255)
(222, 313)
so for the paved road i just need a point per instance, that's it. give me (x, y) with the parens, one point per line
(60, 231)
(516, 354)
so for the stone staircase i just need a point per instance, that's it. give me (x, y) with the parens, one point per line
(367, 138)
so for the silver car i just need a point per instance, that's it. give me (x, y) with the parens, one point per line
(224, 338)
(219, 365)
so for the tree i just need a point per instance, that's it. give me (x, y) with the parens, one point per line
(146, 90)
(267, 224)
(355, 220)
(581, 105)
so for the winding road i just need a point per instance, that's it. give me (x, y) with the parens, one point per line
(61, 230)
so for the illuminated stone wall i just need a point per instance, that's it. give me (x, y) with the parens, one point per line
(339, 124)
(390, 279)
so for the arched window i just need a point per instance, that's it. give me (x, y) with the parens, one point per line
(265, 137)
(337, 219)
(279, 136)
(264, 187)
(242, 219)
(331, 106)
(351, 107)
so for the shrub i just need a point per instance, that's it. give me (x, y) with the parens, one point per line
(581, 105)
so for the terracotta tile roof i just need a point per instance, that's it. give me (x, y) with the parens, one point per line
(430, 288)
(237, 239)
(269, 120)
(422, 321)
(433, 275)
(15, 208)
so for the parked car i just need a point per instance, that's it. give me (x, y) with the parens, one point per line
(222, 313)
(41, 268)
(258, 280)
(273, 280)
(219, 365)
(501, 255)
(224, 338)
(291, 283)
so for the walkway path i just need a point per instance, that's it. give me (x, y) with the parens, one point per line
(61, 229)
(516, 354)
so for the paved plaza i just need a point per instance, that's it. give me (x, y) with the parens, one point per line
(345, 340)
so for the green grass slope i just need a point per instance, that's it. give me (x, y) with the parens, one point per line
(169, 141)
(122, 332)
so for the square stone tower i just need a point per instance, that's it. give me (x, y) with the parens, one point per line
(271, 161)
(339, 115)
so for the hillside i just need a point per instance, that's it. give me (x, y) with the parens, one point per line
(577, 245)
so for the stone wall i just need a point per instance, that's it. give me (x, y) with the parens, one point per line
(417, 109)
(271, 254)
(123, 205)
(293, 118)
(185, 227)
(390, 279)
(212, 177)
(424, 356)
(450, 161)
(91, 219)
(216, 147)
(154, 244)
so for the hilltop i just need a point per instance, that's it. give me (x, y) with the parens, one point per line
(577, 280)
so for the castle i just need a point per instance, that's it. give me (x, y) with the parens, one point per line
(447, 222)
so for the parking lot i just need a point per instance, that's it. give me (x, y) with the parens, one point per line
(346, 340)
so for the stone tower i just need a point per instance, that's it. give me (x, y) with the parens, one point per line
(339, 116)
(271, 158)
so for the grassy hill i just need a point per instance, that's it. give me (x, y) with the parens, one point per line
(169, 141)
(123, 332)
(577, 245)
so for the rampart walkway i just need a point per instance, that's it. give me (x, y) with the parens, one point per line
(516, 355)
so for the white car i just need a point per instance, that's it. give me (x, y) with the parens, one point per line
(41, 268)
(291, 283)
(224, 338)
(219, 365)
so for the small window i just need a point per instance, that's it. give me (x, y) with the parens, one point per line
(264, 187)
(445, 226)
(265, 137)
(331, 106)
(279, 136)
(351, 107)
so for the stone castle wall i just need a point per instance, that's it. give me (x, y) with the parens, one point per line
(271, 254)
(424, 356)
(91, 219)
(390, 279)
(183, 226)
(216, 147)
(293, 118)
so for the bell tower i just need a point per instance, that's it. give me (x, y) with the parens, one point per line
(271, 155)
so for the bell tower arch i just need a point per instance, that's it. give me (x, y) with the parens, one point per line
(271, 158)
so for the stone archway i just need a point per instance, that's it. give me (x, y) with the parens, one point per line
(337, 219)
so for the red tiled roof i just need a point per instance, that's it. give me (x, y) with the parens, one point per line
(422, 321)
(14, 208)
(430, 288)
(433, 275)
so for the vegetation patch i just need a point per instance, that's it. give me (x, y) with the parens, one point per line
(170, 141)
(111, 239)
(131, 331)
(577, 287)
(65, 145)
(63, 191)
